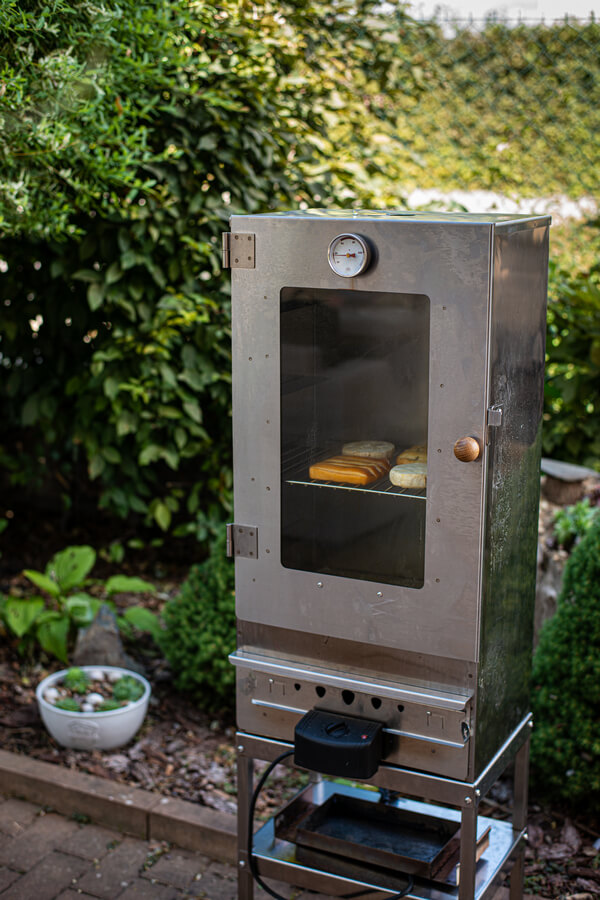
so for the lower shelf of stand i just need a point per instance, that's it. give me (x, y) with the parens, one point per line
(277, 858)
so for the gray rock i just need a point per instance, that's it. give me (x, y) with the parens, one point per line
(565, 471)
(100, 644)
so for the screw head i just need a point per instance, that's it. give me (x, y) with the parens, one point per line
(319, 584)
(478, 793)
(242, 864)
(240, 748)
(380, 593)
(468, 801)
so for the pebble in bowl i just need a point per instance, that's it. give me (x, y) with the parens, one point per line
(93, 707)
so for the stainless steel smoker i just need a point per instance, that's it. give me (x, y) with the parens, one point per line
(387, 409)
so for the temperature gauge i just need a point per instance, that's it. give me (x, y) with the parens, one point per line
(348, 255)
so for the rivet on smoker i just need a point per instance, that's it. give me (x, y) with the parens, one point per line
(319, 584)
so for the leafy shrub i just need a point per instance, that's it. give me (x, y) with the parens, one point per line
(566, 685)
(53, 621)
(129, 132)
(572, 387)
(200, 632)
(572, 522)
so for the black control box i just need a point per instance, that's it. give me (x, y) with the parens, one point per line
(338, 745)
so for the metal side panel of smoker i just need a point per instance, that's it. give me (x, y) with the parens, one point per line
(450, 263)
(517, 352)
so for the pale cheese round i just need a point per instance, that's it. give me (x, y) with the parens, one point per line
(411, 475)
(369, 449)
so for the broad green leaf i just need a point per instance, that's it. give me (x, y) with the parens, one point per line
(126, 423)
(162, 514)
(53, 634)
(149, 454)
(95, 296)
(171, 458)
(113, 273)
(44, 582)
(82, 608)
(30, 411)
(111, 455)
(193, 410)
(111, 387)
(168, 375)
(143, 619)
(169, 412)
(70, 567)
(118, 584)
(96, 466)
(20, 615)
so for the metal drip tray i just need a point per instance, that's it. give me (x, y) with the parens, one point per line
(375, 833)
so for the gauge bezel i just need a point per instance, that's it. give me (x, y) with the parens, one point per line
(366, 249)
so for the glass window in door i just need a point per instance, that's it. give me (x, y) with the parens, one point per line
(354, 411)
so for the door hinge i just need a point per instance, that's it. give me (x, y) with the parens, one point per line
(242, 541)
(238, 250)
(494, 416)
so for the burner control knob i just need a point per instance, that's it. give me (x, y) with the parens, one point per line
(467, 449)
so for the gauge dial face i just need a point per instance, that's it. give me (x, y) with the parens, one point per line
(348, 255)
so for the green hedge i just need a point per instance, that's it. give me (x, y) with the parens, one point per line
(572, 389)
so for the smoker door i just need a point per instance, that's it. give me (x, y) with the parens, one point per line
(397, 354)
(354, 402)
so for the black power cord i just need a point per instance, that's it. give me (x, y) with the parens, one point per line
(251, 858)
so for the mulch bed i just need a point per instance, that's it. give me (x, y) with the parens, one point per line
(180, 751)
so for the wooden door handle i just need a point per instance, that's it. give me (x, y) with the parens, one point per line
(467, 449)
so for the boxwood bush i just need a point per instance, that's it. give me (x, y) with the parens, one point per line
(566, 685)
(199, 632)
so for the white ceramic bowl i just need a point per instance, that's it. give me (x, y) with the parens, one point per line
(92, 730)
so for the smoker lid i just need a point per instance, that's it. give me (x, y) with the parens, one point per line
(413, 216)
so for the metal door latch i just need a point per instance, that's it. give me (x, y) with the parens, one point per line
(237, 250)
(242, 541)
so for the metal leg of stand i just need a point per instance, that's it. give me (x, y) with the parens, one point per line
(468, 841)
(519, 821)
(245, 773)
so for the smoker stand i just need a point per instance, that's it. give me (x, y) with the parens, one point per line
(277, 858)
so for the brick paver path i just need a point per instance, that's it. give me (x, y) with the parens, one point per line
(44, 856)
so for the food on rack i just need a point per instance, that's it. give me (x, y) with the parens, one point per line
(414, 454)
(349, 470)
(369, 449)
(410, 475)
